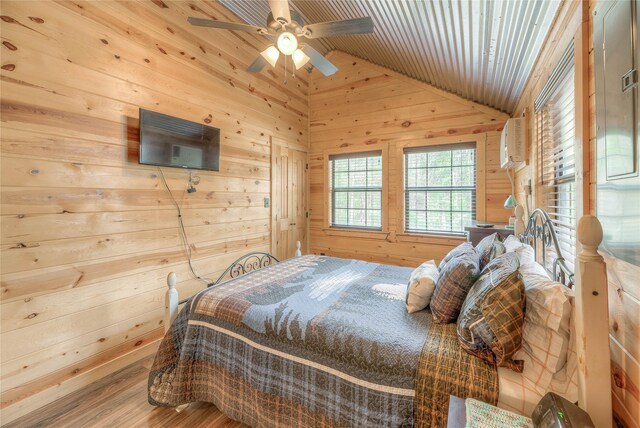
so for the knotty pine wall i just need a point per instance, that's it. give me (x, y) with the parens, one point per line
(367, 107)
(88, 235)
(574, 20)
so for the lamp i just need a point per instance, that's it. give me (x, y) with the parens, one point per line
(287, 43)
(271, 54)
(299, 58)
(510, 204)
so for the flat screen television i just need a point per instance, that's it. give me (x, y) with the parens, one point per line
(178, 143)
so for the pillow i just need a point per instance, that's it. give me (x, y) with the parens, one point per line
(489, 248)
(534, 268)
(546, 337)
(544, 353)
(548, 302)
(492, 317)
(511, 242)
(421, 285)
(465, 247)
(525, 251)
(456, 278)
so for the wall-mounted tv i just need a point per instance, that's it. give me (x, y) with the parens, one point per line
(178, 143)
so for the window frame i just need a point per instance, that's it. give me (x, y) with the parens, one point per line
(378, 233)
(552, 173)
(477, 207)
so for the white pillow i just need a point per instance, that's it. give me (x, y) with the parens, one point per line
(525, 252)
(421, 285)
(535, 269)
(511, 243)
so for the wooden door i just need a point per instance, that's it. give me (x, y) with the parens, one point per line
(288, 197)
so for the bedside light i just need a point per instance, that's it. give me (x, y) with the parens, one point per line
(510, 203)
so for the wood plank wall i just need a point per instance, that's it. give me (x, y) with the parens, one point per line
(366, 107)
(88, 235)
(575, 20)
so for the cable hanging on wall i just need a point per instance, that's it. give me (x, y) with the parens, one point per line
(183, 233)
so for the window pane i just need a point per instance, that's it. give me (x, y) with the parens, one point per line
(439, 177)
(357, 218)
(439, 221)
(446, 179)
(374, 179)
(439, 201)
(416, 160)
(357, 179)
(461, 201)
(357, 200)
(340, 200)
(463, 176)
(341, 165)
(358, 164)
(464, 157)
(360, 204)
(417, 200)
(341, 179)
(374, 163)
(417, 220)
(440, 158)
(340, 217)
(374, 200)
(374, 218)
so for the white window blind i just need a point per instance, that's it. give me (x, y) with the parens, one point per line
(440, 188)
(555, 117)
(355, 187)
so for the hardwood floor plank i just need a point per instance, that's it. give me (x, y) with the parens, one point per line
(120, 400)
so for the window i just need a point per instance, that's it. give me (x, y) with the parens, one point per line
(355, 187)
(555, 121)
(440, 188)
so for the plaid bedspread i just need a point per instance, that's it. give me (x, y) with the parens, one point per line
(311, 341)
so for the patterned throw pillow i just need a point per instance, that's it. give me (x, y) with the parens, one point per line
(489, 248)
(463, 248)
(492, 317)
(456, 278)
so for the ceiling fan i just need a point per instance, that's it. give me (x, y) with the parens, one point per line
(287, 26)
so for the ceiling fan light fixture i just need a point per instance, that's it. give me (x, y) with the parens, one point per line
(287, 43)
(299, 58)
(271, 54)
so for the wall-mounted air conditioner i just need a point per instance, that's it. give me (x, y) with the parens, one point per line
(512, 143)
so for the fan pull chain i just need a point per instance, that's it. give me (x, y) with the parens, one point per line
(285, 69)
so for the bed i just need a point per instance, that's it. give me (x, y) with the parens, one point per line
(323, 341)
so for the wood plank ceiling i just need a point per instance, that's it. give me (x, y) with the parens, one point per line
(482, 50)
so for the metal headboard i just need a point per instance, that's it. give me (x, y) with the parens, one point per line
(245, 264)
(540, 231)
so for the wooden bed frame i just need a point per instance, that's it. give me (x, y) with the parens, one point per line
(590, 315)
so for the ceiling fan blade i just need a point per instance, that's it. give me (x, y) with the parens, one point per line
(226, 25)
(280, 9)
(318, 61)
(257, 65)
(338, 28)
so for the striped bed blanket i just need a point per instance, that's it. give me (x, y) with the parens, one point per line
(316, 341)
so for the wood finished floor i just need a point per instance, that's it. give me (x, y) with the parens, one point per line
(120, 400)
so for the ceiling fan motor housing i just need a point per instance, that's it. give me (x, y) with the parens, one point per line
(295, 26)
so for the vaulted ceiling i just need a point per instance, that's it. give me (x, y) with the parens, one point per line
(482, 50)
